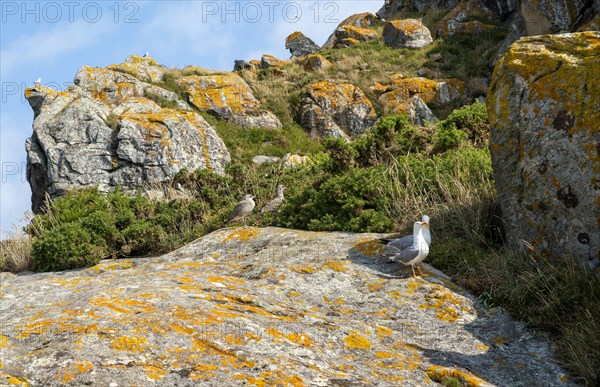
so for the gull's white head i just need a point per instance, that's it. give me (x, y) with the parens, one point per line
(425, 220)
(248, 197)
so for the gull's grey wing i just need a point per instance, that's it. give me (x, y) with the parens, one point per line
(243, 208)
(402, 243)
(272, 205)
(406, 255)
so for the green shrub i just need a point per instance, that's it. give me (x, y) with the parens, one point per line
(67, 246)
(467, 123)
(350, 201)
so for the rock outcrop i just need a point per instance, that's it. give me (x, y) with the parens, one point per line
(229, 97)
(544, 114)
(300, 45)
(336, 110)
(267, 305)
(261, 307)
(106, 131)
(407, 33)
(400, 99)
(314, 62)
(392, 8)
(361, 20)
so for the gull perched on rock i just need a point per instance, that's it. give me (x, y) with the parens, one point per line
(415, 253)
(275, 203)
(146, 55)
(38, 82)
(242, 209)
(408, 240)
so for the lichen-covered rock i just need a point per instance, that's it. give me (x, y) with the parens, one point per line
(105, 136)
(336, 110)
(144, 69)
(314, 62)
(267, 61)
(407, 33)
(360, 20)
(462, 19)
(415, 109)
(261, 306)
(229, 97)
(428, 90)
(356, 33)
(292, 161)
(544, 115)
(300, 45)
(392, 8)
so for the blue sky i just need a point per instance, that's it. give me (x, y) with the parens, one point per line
(52, 39)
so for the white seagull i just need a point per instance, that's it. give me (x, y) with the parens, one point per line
(38, 82)
(242, 209)
(417, 252)
(145, 55)
(408, 240)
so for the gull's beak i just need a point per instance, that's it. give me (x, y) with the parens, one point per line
(425, 224)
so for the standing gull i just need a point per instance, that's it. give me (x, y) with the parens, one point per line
(417, 252)
(275, 203)
(408, 240)
(38, 82)
(146, 55)
(242, 209)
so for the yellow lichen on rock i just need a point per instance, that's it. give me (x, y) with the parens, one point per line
(439, 374)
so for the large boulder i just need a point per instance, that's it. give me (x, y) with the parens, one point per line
(336, 110)
(229, 97)
(264, 307)
(437, 92)
(544, 113)
(407, 33)
(360, 20)
(105, 134)
(463, 20)
(314, 62)
(300, 45)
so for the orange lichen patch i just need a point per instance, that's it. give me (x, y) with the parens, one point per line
(383, 332)
(356, 340)
(339, 95)
(120, 264)
(4, 342)
(77, 367)
(127, 343)
(122, 305)
(37, 327)
(358, 33)
(339, 266)
(375, 286)
(15, 380)
(293, 293)
(303, 269)
(369, 247)
(225, 279)
(482, 347)
(182, 329)
(296, 338)
(439, 374)
(242, 234)
(408, 26)
(292, 36)
(412, 286)
(444, 301)
(499, 340)
(154, 372)
(424, 88)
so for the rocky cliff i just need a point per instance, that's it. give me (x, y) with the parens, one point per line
(261, 306)
(544, 110)
(115, 128)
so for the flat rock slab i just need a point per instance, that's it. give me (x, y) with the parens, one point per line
(260, 306)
